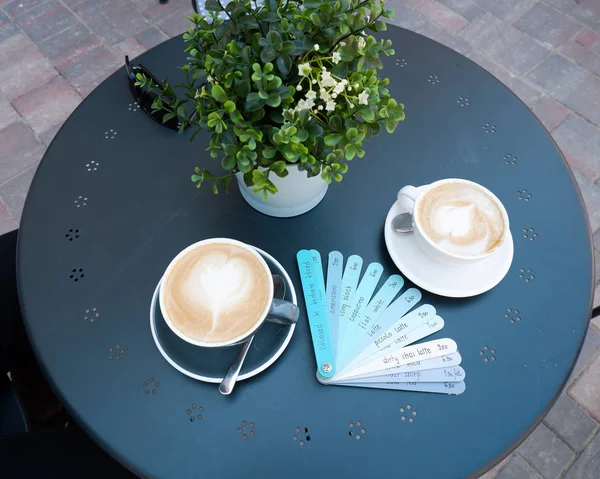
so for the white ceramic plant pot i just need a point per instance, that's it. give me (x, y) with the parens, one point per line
(296, 194)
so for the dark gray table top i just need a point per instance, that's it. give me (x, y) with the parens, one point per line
(138, 209)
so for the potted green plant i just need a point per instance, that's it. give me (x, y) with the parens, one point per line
(289, 91)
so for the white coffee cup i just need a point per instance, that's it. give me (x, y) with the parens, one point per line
(410, 198)
(273, 309)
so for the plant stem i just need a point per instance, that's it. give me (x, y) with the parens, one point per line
(354, 32)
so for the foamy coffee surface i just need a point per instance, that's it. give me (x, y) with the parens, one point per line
(216, 292)
(461, 219)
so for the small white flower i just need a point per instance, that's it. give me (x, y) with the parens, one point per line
(305, 105)
(356, 85)
(326, 79)
(304, 69)
(349, 88)
(330, 105)
(339, 88)
(210, 79)
(324, 95)
(299, 87)
(334, 95)
(344, 81)
(336, 58)
(314, 82)
(317, 47)
(311, 95)
(363, 98)
(361, 42)
(351, 105)
(320, 107)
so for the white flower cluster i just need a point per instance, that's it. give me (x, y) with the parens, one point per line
(329, 89)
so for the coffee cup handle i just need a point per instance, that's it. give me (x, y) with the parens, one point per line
(283, 312)
(407, 197)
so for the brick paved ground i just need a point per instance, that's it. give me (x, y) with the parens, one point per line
(55, 52)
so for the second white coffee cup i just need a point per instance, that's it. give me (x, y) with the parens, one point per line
(410, 197)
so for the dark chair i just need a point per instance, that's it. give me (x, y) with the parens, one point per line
(12, 418)
(55, 452)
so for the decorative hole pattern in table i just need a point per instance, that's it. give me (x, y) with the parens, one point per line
(357, 430)
(408, 414)
(116, 352)
(301, 436)
(134, 106)
(530, 234)
(151, 385)
(489, 128)
(194, 412)
(433, 79)
(72, 234)
(513, 315)
(401, 62)
(80, 201)
(510, 159)
(463, 101)
(92, 165)
(76, 274)
(489, 354)
(91, 315)
(524, 195)
(110, 134)
(246, 429)
(526, 274)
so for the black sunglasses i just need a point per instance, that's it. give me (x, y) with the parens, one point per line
(146, 98)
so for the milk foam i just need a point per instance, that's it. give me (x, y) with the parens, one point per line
(216, 292)
(461, 219)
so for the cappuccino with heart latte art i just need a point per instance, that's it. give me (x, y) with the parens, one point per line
(460, 218)
(216, 291)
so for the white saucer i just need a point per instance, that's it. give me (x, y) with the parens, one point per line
(446, 280)
(210, 364)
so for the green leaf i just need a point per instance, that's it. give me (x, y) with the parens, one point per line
(273, 100)
(335, 123)
(312, 3)
(228, 162)
(284, 64)
(229, 106)
(218, 94)
(268, 54)
(269, 152)
(271, 17)
(278, 166)
(168, 116)
(333, 139)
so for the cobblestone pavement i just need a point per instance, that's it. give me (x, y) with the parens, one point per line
(55, 52)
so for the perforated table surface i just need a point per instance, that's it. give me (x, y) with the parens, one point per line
(112, 200)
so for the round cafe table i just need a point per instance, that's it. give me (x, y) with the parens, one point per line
(112, 200)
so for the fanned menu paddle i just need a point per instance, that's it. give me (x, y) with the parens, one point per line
(366, 330)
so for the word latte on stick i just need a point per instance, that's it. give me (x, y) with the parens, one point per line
(409, 354)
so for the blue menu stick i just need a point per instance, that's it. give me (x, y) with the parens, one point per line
(313, 286)
(335, 267)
